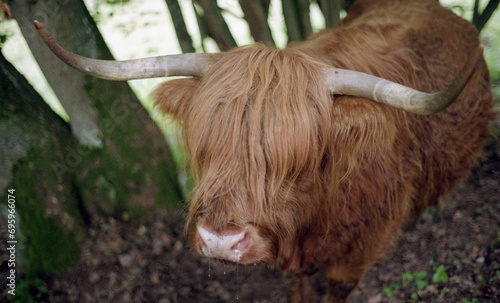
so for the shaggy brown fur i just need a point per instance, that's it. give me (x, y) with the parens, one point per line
(330, 180)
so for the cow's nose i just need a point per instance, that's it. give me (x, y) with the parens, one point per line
(227, 244)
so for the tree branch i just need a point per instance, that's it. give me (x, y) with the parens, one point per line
(202, 26)
(292, 21)
(265, 5)
(305, 18)
(480, 19)
(331, 11)
(185, 41)
(256, 17)
(216, 25)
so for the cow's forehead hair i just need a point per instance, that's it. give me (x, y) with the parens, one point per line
(256, 98)
(258, 121)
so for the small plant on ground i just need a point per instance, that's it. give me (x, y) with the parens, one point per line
(440, 275)
(389, 290)
(417, 278)
(29, 291)
(430, 213)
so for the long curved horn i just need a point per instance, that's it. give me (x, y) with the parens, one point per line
(163, 66)
(346, 82)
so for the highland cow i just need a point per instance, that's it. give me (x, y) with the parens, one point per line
(315, 156)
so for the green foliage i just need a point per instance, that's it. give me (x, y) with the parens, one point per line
(3, 39)
(474, 300)
(481, 280)
(417, 278)
(389, 290)
(108, 186)
(440, 275)
(5, 34)
(28, 291)
(430, 213)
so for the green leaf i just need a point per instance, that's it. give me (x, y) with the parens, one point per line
(420, 275)
(421, 284)
(430, 213)
(440, 275)
(407, 276)
(389, 290)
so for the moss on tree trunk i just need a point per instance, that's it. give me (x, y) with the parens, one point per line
(33, 138)
(109, 159)
(123, 164)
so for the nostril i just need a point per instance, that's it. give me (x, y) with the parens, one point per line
(243, 245)
(223, 245)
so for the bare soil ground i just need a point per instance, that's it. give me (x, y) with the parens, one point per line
(149, 261)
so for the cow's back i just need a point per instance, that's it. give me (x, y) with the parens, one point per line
(421, 45)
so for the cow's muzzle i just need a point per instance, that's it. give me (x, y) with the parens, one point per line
(234, 243)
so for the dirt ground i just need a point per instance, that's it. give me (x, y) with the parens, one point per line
(149, 261)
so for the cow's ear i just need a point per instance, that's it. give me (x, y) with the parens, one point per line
(174, 97)
(363, 129)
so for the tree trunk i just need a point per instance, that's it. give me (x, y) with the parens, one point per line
(126, 164)
(331, 11)
(216, 24)
(256, 16)
(185, 41)
(480, 19)
(292, 20)
(47, 206)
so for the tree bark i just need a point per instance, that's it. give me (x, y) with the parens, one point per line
(48, 208)
(185, 41)
(256, 17)
(216, 25)
(480, 19)
(305, 18)
(331, 11)
(292, 20)
(297, 19)
(126, 165)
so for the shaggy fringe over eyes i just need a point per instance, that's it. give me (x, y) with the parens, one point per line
(258, 126)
